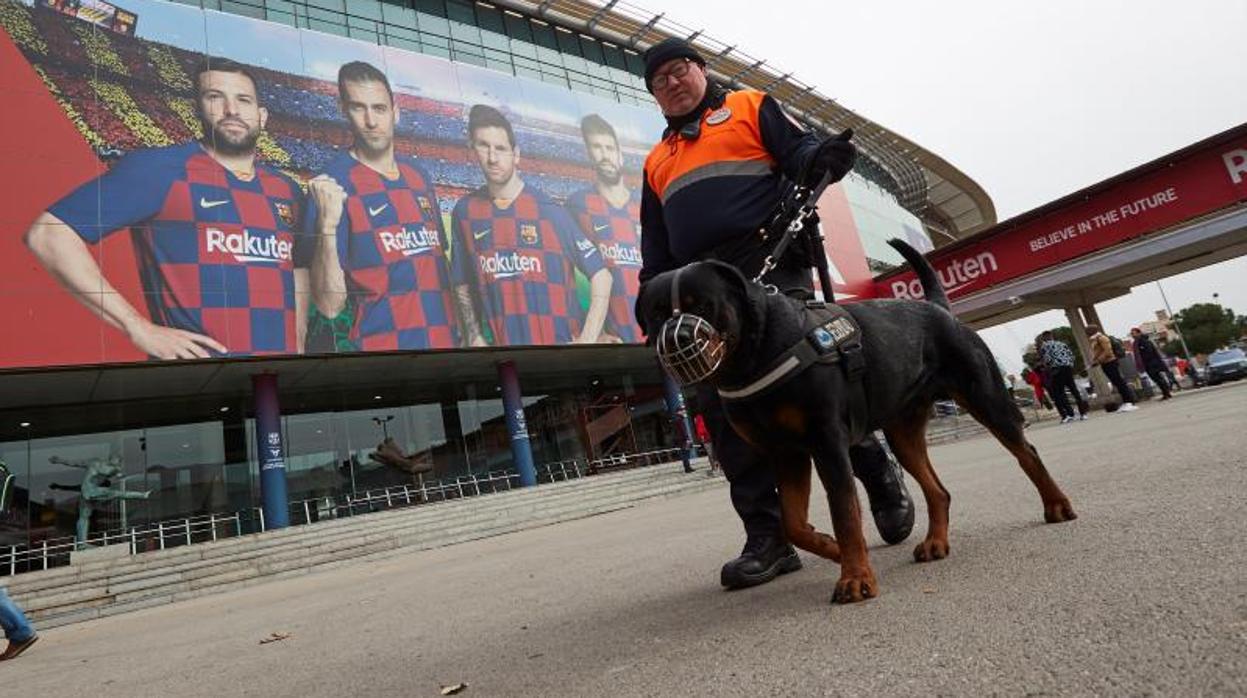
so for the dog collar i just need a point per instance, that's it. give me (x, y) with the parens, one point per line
(831, 336)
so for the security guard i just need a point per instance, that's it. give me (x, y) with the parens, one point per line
(710, 184)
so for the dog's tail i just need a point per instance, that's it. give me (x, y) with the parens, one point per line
(931, 286)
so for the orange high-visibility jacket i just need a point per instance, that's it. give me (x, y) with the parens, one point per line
(708, 196)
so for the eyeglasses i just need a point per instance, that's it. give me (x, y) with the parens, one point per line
(677, 72)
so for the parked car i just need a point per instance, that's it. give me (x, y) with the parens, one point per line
(1227, 364)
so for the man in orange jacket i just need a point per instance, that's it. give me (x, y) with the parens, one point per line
(709, 185)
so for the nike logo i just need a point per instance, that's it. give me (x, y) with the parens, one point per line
(212, 204)
(374, 211)
(600, 228)
(478, 234)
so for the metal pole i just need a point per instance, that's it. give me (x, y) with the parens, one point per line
(1174, 321)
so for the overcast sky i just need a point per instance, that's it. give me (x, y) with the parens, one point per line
(1033, 101)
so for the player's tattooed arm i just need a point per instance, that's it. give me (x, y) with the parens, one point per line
(467, 312)
(327, 279)
(599, 304)
(64, 254)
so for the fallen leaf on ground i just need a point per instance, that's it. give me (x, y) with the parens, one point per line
(275, 637)
(928, 590)
(453, 688)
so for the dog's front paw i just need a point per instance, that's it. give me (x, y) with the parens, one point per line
(931, 549)
(855, 586)
(1058, 511)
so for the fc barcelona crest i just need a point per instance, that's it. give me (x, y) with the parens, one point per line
(426, 206)
(285, 212)
(528, 233)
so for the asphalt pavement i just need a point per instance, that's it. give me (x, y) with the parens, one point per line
(1145, 594)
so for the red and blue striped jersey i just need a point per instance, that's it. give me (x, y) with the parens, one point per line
(617, 232)
(391, 244)
(521, 261)
(215, 252)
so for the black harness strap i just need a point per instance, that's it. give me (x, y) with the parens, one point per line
(830, 335)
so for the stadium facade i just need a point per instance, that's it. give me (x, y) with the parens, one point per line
(464, 322)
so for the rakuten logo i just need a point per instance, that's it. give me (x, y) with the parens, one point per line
(502, 266)
(409, 242)
(246, 247)
(955, 275)
(626, 255)
(1236, 163)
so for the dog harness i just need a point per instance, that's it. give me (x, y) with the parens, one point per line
(830, 336)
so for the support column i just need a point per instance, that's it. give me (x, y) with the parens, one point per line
(678, 412)
(1079, 329)
(517, 426)
(272, 451)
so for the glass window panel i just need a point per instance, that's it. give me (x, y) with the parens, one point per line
(490, 19)
(459, 11)
(327, 27)
(527, 71)
(369, 35)
(521, 48)
(549, 56)
(328, 4)
(465, 32)
(15, 520)
(281, 17)
(436, 8)
(518, 28)
(185, 471)
(315, 462)
(560, 80)
(502, 65)
(614, 56)
(434, 25)
(543, 35)
(398, 16)
(364, 8)
(495, 40)
(244, 9)
(467, 53)
(591, 49)
(403, 43)
(634, 63)
(567, 42)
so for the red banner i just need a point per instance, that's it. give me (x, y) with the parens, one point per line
(1188, 186)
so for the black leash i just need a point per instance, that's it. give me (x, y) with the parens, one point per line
(790, 218)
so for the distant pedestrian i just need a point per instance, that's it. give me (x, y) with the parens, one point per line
(16, 628)
(1148, 357)
(1035, 380)
(1105, 355)
(1058, 361)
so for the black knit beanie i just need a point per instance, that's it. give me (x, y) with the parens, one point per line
(665, 50)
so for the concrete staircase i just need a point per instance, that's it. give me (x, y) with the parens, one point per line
(104, 587)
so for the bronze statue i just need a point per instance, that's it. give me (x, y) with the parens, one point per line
(97, 488)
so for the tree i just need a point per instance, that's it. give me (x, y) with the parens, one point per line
(1206, 327)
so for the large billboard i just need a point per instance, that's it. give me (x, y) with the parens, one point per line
(221, 186)
(200, 184)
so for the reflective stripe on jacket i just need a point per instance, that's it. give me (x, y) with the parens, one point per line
(709, 196)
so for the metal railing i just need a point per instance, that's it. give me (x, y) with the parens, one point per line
(171, 533)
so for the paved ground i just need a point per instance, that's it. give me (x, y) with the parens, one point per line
(1146, 593)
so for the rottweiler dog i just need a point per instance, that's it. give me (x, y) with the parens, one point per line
(915, 352)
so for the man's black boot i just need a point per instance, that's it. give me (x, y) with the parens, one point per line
(884, 482)
(763, 559)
